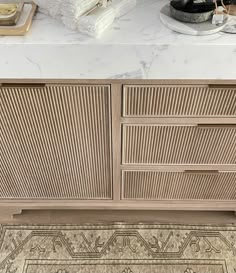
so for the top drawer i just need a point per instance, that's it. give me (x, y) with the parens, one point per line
(180, 100)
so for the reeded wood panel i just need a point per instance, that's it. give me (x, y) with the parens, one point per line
(178, 186)
(178, 145)
(169, 100)
(56, 142)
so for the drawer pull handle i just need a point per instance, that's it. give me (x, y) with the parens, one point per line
(202, 172)
(23, 85)
(225, 86)
(217, 125)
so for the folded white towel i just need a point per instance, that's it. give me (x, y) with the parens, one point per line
(67, 10)
(73, 9)
(70, 12)
(122, 7)
(53, 8)
(97, 22)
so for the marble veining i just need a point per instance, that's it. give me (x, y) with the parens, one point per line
(137, 46)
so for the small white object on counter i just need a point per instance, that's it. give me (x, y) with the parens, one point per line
(218, 19)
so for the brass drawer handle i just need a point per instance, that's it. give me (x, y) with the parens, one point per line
(202, 172)
(217, 125)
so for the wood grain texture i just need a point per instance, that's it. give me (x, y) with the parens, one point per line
(173, 100)
(148, 185)
(116, 139)
(172, 144)
(219, 83)
(56, 142)
(127, 216)
(139, 204)
(82, 119)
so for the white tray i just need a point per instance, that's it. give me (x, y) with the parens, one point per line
(205, 28)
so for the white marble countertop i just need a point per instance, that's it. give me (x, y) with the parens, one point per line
(137, 46)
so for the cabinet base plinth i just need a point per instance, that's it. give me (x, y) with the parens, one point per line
(9, 212)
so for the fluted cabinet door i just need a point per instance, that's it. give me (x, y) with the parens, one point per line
(55, 142)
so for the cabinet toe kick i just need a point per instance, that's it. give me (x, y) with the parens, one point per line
(10, 212)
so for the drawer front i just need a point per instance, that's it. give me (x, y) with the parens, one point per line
(153, 144)
(55, 142)
(183, 101)
(148, 185)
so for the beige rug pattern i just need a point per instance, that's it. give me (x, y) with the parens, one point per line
(117, 248)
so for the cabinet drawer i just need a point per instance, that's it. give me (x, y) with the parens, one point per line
(157, 144)
(148, 185)
(183, 101)
(55, 142)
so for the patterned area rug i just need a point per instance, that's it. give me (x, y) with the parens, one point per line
(117, 248)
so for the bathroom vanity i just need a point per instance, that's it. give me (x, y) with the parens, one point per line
(143, 118)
